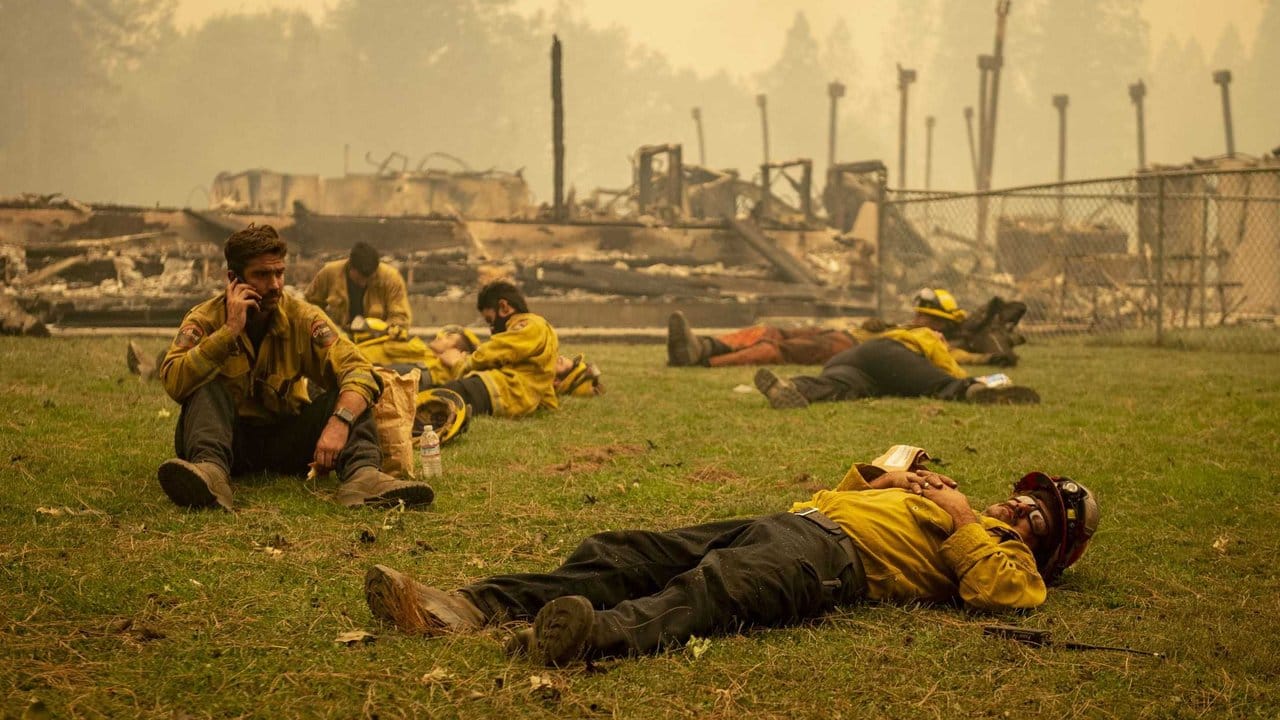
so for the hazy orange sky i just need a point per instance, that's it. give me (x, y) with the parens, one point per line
(743, 36)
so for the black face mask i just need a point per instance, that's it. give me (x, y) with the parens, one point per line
(499, 324)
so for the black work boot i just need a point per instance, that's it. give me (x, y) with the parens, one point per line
(195, 485)
(684, 348)
(562, 631)
(782, 393)
(1003, 395)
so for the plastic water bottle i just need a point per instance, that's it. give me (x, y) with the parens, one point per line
(995, 380)
(429, 453)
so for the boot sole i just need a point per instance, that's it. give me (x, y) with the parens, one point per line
(414, 496)
(780, 394)
(184, 486)
(561, 630)
(1007, 395)
(679, 354)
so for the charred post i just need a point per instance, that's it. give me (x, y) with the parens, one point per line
(1137, 94)
(929, 122)
(1223, 79)
(1060, 102)
(702, 149)
(762, 101)
(557, 127)
(835, 91)
(973, 151)
(906, 76)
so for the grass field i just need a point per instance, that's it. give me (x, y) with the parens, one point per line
(114, 603)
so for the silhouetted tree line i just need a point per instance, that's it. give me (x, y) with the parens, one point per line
(108, 100)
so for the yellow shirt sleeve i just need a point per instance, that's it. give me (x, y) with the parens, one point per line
(196, 355)
(993, 574)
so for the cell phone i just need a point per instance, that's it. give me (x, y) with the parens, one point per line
(237, 278)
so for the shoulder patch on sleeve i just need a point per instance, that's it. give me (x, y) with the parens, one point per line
(518, 325)
(189, 336)
(322, 334)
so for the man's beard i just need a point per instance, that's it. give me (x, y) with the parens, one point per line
(498, 325)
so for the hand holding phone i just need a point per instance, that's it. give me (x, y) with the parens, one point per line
(242, 302)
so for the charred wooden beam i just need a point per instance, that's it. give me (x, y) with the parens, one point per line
(790, 267)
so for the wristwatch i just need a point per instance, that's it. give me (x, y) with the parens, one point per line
(345, 416)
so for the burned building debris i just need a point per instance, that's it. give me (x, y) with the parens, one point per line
(678, 232)
(730, 250)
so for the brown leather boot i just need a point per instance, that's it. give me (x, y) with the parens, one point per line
(370, 486)
(781, 393)
(416, 608)
(195, 485)
(684, 348)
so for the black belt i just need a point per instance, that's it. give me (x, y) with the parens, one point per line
(842, 539)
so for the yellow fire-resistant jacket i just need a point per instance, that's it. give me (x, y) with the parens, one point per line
(385, 297)
(300, 343)
(911, 550)
(928, 343)
(518, 366)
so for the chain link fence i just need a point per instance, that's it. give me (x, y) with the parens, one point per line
(1185, 258)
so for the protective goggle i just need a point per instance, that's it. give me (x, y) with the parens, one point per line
(1035, 516)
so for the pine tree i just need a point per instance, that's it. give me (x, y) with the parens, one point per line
(1256, 102)
(1090, 50)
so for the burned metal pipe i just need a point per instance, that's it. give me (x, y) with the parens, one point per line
(557, 127)
(1137, 93)
(928, 151)
(702, 150)
(1060, 102)
(835, 91)
(1223, 79)
(973, 151)
(906, 76)
(762, 101)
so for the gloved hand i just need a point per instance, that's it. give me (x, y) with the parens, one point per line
(395, 332)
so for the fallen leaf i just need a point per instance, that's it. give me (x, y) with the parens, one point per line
(351, 637)
(1221, 544)
(698, 646)
(437, 676)
(270, 550)
(744, 389)
(64, 510)
(195, 582)
(544, 688)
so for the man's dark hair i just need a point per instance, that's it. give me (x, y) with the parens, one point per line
(497, 290)
(247, 244)
(364, 258)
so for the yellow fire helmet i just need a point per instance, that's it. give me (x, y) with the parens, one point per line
(471, 341)
(582, 379)
(938, 303)
(444, 410)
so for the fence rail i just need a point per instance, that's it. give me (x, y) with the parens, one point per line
(1170, 258)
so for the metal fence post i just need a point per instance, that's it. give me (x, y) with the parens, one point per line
(882, 180)
(1204, 254)
(1160, 260)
